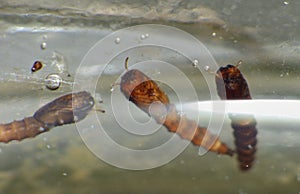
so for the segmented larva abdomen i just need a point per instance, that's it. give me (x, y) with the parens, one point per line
(18, 130)
(143, 92)
(232, 85)
(66, 109)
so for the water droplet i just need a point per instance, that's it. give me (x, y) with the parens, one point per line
(214, 34)
(43, 45)
(112, 88)
(42, 129)
(143, 36)
(195, 63)
(207, 68)
(53, 81)
(118, 40)
(286, 2)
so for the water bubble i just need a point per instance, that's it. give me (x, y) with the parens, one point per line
(45, 37)
(195, 63)
(214, 34)
(118, 40)
(207, 68)
(143, 36)
(53, 81)
(43, 45)
(42, 129)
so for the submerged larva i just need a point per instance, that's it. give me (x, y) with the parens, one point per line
(231, 85)
(66, 109)
(143, 92)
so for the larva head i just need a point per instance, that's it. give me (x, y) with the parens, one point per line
(231, 84)
(141, 90)
(65, 109)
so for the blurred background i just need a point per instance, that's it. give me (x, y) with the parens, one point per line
(265, 35)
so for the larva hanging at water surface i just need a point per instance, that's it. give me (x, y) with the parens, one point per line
(66, 109)
(231, 85)
(144, 92)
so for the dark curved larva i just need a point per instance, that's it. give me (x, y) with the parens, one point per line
(231, 85)
(142, 91)
(66, 109)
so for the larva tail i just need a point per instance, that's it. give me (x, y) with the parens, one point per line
(245, 141)
(19, 130)
(189, 129)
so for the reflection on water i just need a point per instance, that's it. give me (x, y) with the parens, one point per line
(267, 41)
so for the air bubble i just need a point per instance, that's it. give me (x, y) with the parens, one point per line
(195, 63)
(118, 40)
(65, 174)
(143, 36)
(42, 129)
(43, 45)
(207, 68)
(286, 2)
(53, 81)
(214, 34)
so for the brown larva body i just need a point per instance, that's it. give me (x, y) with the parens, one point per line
(231, 85)
(18, 130)
(142, 91)
(66, 109)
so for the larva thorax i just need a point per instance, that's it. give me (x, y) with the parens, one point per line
(141, 90)
(65, 109)
(231, 82)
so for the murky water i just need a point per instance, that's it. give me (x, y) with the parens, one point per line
(265, 35)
